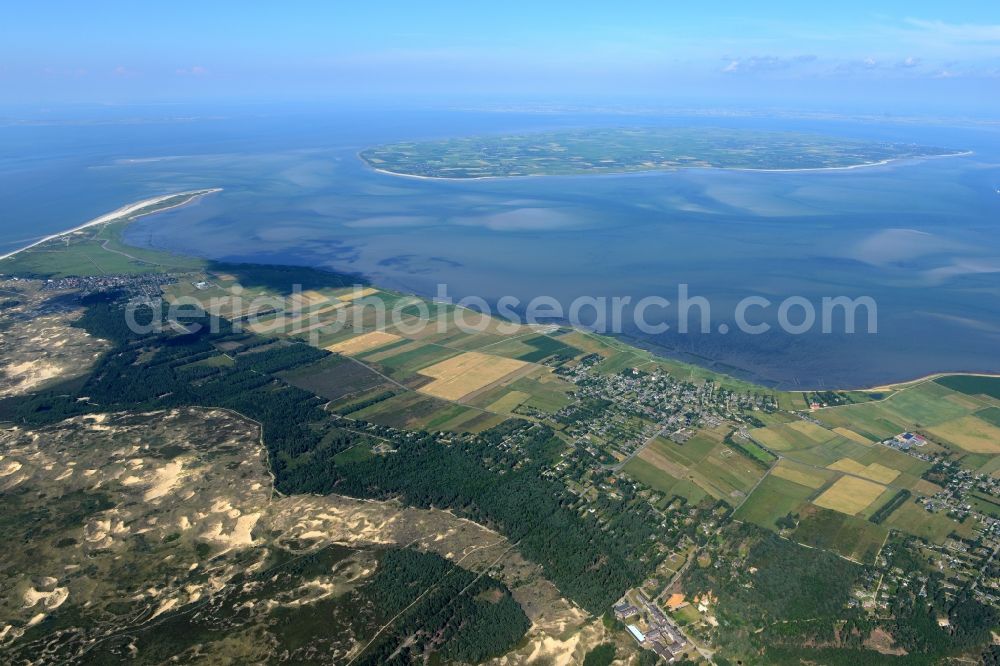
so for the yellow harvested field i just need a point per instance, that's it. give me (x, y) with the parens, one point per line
(850, 495)
(772, 437)
(314, 296)
(357, 293)
(326, 310)
(800, 476)
(269, 326)
(874, 471)
(307, 299)
(926, 487)
(466, 373)
(364, 342)
(969, 433)
(849, 465)
(853, 436)
(881, 473)
(508, 402)
(811, 430)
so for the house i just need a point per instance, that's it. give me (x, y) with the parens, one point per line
(636, 634)
(624, 610)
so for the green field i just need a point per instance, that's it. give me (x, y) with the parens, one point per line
(774, 497)
(850, 536)
(972, 385)
(653, 477)
(913, 519)
(913, 407)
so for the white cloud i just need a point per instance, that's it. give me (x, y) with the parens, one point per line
(765, 63)
(958, 32)
(196, 70)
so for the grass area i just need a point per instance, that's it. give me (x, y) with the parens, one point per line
(544, 346)
(726, 474)
(850, 536)
(972, 385)
(546, 393)
(508, 402)
(91, 252)
(913, 519)
(887, 457)
(408, 362)
(217, 361)
(757, 452)
(335, 377)
(851, 435)
(98, 250)
(654, 477)
(991, 415)
(792, 436)
(405, 410)
(358, 453)
(774, 498)
(691, 452)
(916, 406)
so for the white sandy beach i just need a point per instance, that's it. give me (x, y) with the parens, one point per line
(124, 211)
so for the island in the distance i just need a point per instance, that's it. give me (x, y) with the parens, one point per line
(628, 150)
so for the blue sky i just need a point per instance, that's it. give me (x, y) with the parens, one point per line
(943, 56)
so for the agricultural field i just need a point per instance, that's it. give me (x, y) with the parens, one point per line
(643, 468)
(774, 498)
(726, 474)
(458, 377)
(851, 435)
(800, 474)
(336, 378)
(398, 406)
(913, 519)
(793, 436)
(703, 460)
(972, 385)
(873, 471)
(916, 407)
(969, 433)
(364, 342)
(850, 495)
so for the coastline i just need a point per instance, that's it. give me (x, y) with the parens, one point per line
(129, 209)
(850, 167)
(920, 380)
(120, 213)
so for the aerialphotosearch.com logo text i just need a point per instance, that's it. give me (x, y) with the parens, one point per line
(315, 315)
